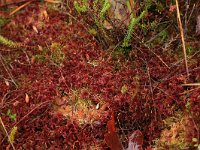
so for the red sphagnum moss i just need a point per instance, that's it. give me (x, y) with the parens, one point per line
(74, 86)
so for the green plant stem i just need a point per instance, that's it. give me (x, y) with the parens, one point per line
(105, 7)
(133, 23)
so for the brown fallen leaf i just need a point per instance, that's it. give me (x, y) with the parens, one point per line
(111, 138)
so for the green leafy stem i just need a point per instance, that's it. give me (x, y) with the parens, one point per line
(134, 21)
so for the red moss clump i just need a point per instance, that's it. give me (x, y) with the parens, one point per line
(141, 91)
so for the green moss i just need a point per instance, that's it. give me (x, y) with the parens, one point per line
(3, 40)
(81, 8)
(3, 21)
(7, 42)
(57, 55)
(174, 136)
(133, 23)
(93, 31)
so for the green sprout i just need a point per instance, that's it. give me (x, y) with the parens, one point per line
(10, 115)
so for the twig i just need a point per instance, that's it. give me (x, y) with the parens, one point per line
(191, 84)
(157, 35)
(4, 97)
(20, 7)
(191, 13)
(6, 132)
(159, 58)
(186, 12)
(150, 83)
(182, 37)
(151, 88)
(53, 1)
(31, 112)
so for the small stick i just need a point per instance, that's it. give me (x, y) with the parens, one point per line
(20, 7)
(191, 84)
(182, 38)
(7, 70)
(31, 112)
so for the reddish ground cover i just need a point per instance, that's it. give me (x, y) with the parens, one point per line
(63, 88)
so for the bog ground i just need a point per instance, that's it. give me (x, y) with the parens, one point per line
(64, 84)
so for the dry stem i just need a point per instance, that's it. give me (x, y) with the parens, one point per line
(182, 37)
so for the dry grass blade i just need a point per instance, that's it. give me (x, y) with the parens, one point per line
(20, 7)
(182, 37)
(6, 132)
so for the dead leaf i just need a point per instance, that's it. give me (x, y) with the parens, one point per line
(111, 138)
(40, 48)
(7, 82)
(27, 98)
